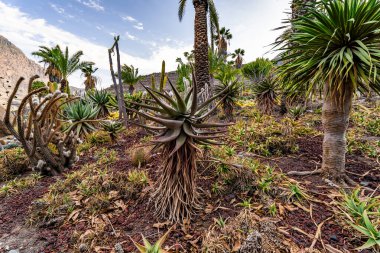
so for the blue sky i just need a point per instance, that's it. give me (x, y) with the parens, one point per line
(150, 30)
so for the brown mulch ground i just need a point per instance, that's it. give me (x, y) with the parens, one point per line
(139, 218)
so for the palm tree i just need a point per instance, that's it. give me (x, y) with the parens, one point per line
(334, 48)
(222, 40)
(238, 56)
(67, 65)
(130, 75)
(202, 8)
(46, 54)
(88, 72)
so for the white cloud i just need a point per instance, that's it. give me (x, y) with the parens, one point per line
(130, 36)
(59, 10)
(137, 25)
(93, 4)
(128, 18)
(29, 33)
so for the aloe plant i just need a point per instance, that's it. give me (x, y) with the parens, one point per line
(101, 99)
(112, 128)
(149, 248)
(80, 117)
(181, 118)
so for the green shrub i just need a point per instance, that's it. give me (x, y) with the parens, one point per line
(12, 163)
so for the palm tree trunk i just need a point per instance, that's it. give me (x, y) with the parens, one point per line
(64, 84)
(131, 89)
(201, 43)
(335, 119)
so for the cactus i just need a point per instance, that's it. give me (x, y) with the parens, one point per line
(38, 130)
(163, 78)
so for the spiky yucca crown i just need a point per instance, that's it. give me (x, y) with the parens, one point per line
(180, 117)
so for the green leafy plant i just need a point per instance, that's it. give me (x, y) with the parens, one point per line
(369, 230)
(130, 75)
(112, 128)
(228, 88)
(149, 248)
(101, 99)
(257, 70)
(81, 117)
(246, 203)
(265, 92)
(180, 117)
(297, 111)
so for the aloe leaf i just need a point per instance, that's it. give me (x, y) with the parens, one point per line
(169, 136)
(181, 103)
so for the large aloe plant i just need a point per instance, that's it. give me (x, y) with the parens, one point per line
(181, 118)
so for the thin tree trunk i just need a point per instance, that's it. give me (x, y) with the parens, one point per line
(335, 119)
(115, 85)
(121, 94)
(202, 65)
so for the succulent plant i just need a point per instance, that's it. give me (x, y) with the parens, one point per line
(266, 94)
(149, 248)
(112, 128)
(101, 99)
(228, 87)
(49, 150)
(182, 127)
(81, 117)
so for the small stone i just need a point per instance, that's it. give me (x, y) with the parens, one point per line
(334, 238)
(119, 248)
(14, 251)
(83, 247)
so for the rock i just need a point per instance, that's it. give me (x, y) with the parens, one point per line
(119, 248)
(83, 247)
(14, 251)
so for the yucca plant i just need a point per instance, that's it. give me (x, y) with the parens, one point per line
(112, 128)
(181, 118)
(149, 248)
(101, 99)
(265, 92)
(80, 117)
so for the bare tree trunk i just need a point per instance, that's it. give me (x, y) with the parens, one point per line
(118, 88)
(335, 119)
(202, 65)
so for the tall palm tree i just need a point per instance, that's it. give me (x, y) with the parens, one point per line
(88, 72)
(238, 56)
(130, 75)
(334, 48)
(46, 54)
(67, 65)
(222, 40)
(202, 8)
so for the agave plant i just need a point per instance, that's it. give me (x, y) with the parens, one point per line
(81, 117)
(181, 118)
(266, 94)
(112, 128)
(101, 99)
